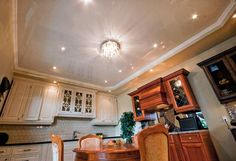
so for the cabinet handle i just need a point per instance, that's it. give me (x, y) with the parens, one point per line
(25, 160)
(1, 151)
(6, 159)
(26, 150)
(190, 138)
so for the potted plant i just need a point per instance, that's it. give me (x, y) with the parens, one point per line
(127, 126)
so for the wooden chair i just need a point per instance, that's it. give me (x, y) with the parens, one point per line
(57, 148)
(90, 142)
(153, 143)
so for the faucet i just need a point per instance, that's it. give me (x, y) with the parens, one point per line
(75, 133)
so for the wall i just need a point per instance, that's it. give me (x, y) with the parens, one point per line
(62, 126)
(210, 106)
(6, 42)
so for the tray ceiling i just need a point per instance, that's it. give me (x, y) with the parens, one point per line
(43, 27)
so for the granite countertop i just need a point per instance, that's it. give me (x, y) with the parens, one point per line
(187, 132)
(47, 142)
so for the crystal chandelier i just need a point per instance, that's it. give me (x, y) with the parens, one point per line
(110, 48)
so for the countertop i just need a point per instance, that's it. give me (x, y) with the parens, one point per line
(187, 132)
(47, 142)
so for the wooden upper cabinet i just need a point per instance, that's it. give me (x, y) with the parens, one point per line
(221, 73)
(139, 114)
(180, 92)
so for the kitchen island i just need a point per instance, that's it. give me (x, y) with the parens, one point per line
(108, 153)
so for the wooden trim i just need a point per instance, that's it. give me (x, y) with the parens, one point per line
(90, 136)
(149, 131)
(175, 74)
(56, 139)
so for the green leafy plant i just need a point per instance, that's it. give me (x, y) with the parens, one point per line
(127, 126)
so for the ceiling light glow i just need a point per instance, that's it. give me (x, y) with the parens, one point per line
(86, 1)
(54, 82)
(151, 70)
(106, 81)
(120, 71)
(194, 16)
(234, 15)
(155, 45)
(63, 48)
(110, 48)
(54, 68)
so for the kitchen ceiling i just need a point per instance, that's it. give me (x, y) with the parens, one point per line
(67, 34)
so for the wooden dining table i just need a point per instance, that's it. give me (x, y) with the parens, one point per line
(108, 153)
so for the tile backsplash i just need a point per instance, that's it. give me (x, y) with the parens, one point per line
(61, 126)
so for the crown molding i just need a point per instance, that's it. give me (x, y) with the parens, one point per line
(207, 31)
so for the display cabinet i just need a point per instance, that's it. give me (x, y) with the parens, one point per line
(179, 91)
(221, 73)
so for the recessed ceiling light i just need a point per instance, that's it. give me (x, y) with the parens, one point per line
(54, 82)
(151, 70)
(120, 71)
(194, 16)
(162, 42)
(63, 48)
(132, 67)
(234, 15)
(87, 1)
(155, 45)
(105, 81)
(54, 67)
(109, 91)
(163, 46)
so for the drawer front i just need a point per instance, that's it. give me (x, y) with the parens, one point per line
(26, 149)
(5, 151)
(190, 138)
(5, 159)
(35, 158)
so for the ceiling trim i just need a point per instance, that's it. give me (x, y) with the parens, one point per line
(218, 24)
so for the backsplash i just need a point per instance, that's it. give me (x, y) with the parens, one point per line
(62, 126)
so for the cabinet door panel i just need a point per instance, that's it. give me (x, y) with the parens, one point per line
(173, 153)
(89, 104)
(49, 104)
(66, 104)
(78, 102)
(34, 102)
(194, 152)
(15, 102)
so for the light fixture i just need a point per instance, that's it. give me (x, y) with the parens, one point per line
(194, 16)
(163, 46)
(234, 15)
(87, 1)
(155, 45)
(106, 81)
(110, 48)
(54, 67)
(54, 82)
(151, 70)
(63, 48)
(109, 91)
(120, 71)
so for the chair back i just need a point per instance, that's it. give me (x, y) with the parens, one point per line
(90, 142)
(57, 148)
(153, 143)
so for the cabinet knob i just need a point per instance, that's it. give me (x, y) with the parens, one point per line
(6, 159)
(26, 150)
(1, 151)
(190, 138)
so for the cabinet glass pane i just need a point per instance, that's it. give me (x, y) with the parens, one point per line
(88, 103)
(78, 102)
(138, 111)
(66, 105)
(178, 92)
(222, 78)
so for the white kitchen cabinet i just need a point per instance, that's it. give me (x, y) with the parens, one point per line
(32, 158)
(76, 102)
(106, 110)
(30, 102)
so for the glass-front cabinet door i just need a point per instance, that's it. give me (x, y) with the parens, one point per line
(78, 102)
(89, 104)
(66, 104)
(180, 92)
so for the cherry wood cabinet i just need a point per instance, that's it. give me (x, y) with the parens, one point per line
(139, 114)
(191, 147)
(221, 73)
(179, 91)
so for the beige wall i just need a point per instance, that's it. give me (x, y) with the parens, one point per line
(210, 106)
(6, 43)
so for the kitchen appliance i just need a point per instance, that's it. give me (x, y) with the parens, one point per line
(188, 123)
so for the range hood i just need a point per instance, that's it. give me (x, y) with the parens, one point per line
(153, 96)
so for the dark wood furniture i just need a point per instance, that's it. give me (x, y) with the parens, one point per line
(180, 92)
(153, 143)
(57, 148)
(139, 114)
(221, 72)
(191, 147)
(108, 153)
(148, 99)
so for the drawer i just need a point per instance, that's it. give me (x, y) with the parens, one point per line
(5, 159)
(190, 138)
(34, 158)
(27, 149)
(5, 151)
